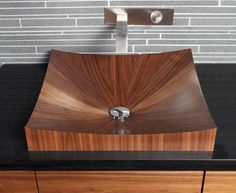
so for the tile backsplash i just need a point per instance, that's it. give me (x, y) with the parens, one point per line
(29, 29)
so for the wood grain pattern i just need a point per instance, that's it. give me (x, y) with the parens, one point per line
(17, 182)
(218, 182)
(43, 140)
(161, 90)
(122, 182)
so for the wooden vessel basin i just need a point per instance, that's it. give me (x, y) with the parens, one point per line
(167, 109)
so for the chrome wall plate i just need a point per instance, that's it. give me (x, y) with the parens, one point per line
(140, 16)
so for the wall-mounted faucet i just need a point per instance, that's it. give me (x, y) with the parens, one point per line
(122, 17)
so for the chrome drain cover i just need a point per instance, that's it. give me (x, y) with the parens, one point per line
(119, 113)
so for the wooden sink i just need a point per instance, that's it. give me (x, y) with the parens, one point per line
(168, 111)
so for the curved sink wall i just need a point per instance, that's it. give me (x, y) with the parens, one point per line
(161, 91)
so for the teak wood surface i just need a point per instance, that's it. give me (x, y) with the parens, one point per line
(220, 182)
(162, 91)
(18, 182)
(120, 182)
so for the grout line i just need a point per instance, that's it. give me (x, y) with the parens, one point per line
(45, 4)
(193, 32)
(43, 55)
(7, 19)
(181, 28)
(138, 6)
(24, 58)
(189, 21)
(141, 45)
(195, 61)
(198, 49)
(171, 6)
(130, 33)
(213, 25)
(84, 45)
(23, 46)
(7, 1)
(205, 16)
(62, 40)
(10, 63)
(65, 7)
(76, 22)
(19, 54)
(177, 45)
(82, 32)
(20, 22)
(51, 14)
(188, 39)
(101, 25)
(41, 34)
(46, 56)
(214, 57)
(202, 14)
(61, 18)
(205, 32)
(93, 39)
(110, 44)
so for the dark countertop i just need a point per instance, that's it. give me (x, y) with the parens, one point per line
(19, 87)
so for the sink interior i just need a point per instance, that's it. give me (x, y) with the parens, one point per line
(148, 94)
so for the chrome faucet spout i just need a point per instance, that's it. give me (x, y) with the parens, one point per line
(122, 33)
(122, 17)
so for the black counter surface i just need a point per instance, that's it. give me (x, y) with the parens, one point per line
(20, 86)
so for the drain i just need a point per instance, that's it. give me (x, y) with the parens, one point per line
(119, 113)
